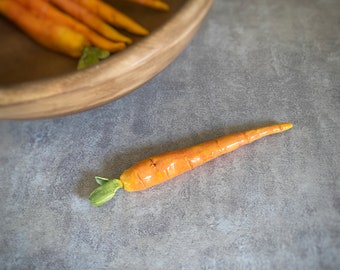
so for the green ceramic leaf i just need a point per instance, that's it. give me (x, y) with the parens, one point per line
(91, 56)
(105, 192)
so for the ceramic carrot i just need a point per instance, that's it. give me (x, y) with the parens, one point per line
(114, 17)
(46, 11)
(157, 169)
(54, 36)
(87, 17)
(155, 4)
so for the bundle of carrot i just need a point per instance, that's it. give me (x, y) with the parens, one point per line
(83, 29)
(158, 169)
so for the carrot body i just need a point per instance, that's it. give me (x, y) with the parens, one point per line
(90, 19)
(45, 10)
(113, 16)
(160, 168)
(155, 4)
(46, 32)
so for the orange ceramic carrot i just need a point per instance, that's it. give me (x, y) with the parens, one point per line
(114, 17)
(157, 169)
(155, 4)
(46, 32)
(82, 14)
(47, 11)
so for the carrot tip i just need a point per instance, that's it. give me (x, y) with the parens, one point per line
(287, 126)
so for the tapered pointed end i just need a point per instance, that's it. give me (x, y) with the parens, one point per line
(162, 6)
(286, 126)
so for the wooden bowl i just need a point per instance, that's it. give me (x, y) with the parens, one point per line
(37, 83)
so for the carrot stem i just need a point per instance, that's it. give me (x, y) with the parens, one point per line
(105, 191)
(91, 56)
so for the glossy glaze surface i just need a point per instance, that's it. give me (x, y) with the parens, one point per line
(160, 168)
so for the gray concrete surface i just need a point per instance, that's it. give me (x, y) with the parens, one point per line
(271, 205)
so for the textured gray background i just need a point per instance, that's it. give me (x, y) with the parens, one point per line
(274, 204)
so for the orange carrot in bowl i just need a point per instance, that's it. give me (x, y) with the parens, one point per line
(46, 32)
(114, 17)
(157, 169)
(45, 10)
(155, 4)
(82, 14)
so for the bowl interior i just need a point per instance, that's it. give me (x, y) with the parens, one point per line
(23, 60)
